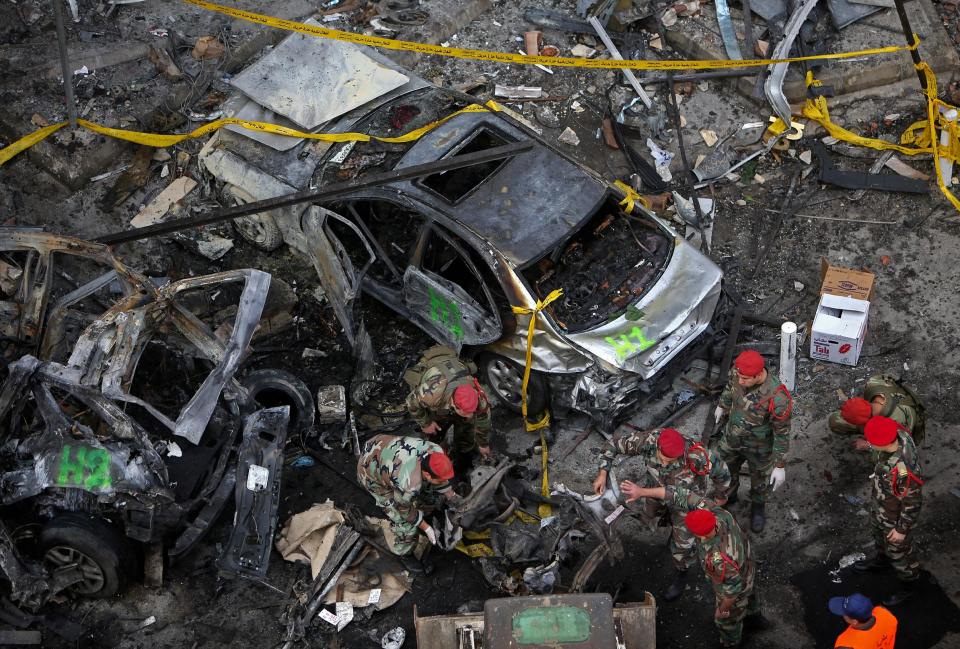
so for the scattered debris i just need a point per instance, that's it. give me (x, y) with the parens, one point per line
(569, 136)
(393, 639)
(905, 170)
(518, 92)
(206, 48)
(159, 206)
(582, 51)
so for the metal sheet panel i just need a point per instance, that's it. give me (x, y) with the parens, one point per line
(313, 80)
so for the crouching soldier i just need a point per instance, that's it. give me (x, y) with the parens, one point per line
(445, 392)
(669, 460)
(397, 472)
(883, 396)
(897, 499)
(726, 557)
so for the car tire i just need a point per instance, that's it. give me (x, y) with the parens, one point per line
(505, 378)
(103, 554)
(272, 387)
(259, 230)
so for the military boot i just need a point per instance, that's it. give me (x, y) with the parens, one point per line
(675, 590)
(758, 517)
(876, 564)
(906, 591)
(414, 565)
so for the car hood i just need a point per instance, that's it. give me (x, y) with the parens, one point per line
(676, 309)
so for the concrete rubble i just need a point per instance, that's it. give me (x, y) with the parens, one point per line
(181, 403)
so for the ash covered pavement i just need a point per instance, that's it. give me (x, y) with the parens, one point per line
(185, 406)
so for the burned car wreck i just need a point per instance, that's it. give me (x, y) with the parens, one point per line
(453, 251)
(91, 472)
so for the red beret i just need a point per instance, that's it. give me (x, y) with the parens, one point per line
(700, 521)
(881, 431)
(857, 411)
(749, 363)
(466, 399)
(671, 443)
(440, 465)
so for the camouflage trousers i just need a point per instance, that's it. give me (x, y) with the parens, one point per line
(682, 549)
(731, 628)
(464, 438)
(901, 555)
(758, 454)
(405, 532)
(838, 424)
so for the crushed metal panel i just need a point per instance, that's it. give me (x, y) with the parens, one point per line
(242, 107)
(339, 278)
(446, 311)
(678, 307)
(194, 417)
(260, 461)
(313, 80)
(773, 86)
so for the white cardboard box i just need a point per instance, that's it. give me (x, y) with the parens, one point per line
(839, 328)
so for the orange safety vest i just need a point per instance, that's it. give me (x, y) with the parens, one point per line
(880, 636)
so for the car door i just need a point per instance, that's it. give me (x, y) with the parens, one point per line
(447, 295)
(341, 272)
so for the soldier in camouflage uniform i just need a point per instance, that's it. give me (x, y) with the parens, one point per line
(447, 393)
(724, 552)
(668, 461)
(883, 396)
(758, 431)
(397, 471)
(897, 499)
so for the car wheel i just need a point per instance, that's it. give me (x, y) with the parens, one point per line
(272, 387)
(95, 547)
(505, 378)
(260, 230)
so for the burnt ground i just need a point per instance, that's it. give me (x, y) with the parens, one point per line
(814, 520)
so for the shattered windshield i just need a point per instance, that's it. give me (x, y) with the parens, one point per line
(607, 266)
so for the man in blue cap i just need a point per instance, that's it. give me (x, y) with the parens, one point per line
(870, 627)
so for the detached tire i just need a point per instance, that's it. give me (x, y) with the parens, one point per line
(270, 388)
(103, 555)
(259, 230)
(505, 378)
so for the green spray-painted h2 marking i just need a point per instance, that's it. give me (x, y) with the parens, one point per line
(84, 466)
(626, 347)
(447, 313)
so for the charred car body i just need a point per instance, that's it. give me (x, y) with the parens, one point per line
(454, 251)
(90, 469)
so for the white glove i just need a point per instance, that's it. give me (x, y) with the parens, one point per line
(778, 477)
(431, 534)
(718, 414)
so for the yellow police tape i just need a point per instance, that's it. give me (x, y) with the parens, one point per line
(923, 134)
(162, 140)
(631, 198)
(506, 57)
(543, 509)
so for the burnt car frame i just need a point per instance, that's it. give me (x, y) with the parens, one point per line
(90, 469)
(454, 251)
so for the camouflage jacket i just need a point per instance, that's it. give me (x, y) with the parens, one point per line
(900, 406)
(726, 557)
(390, 467)
(697, 469)
(759, 413)
(898, 484)
(431, 401)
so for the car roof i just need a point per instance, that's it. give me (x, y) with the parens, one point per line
(529, 205)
